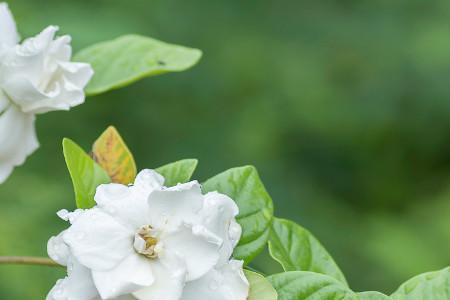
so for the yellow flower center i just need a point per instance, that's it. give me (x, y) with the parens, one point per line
(146, 242)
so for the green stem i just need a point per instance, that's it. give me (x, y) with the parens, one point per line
(28, 260)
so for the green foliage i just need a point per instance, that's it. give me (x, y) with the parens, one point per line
(296, 249)
(301, 285)
(124, 60)
(310, 271)
(244, 186)
(260, 287)
(178, 172)
(333, 127)
(86, 174)
(427, 286)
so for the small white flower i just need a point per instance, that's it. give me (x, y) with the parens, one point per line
(150, 242)
(36, 76)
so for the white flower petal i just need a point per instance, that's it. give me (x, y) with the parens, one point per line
(78, 285)
(4, 102)
(176, 205)
(109, 193)
(128, 204)
(132, 274)
(58, 250)
(98, 241)
(168, 284)
(66, 215)
(124, 297)
(62, 96)
(26, 94)
(196, 246)
(78, 74)
(218, 213)
(17, 139)
(38, 76)
(8, 31)
(225, 283)
(152, 242)
(148, 180)
(60, 48)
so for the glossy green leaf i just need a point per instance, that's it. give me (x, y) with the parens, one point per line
(301, 285)
(178, 172)
(373, 296)
(113, 155)
(85, 173)
(244, 186)
(124, 60)
(427, 286)
(296, 249)
(260, 287)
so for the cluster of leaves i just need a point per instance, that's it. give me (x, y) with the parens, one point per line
(310, 271)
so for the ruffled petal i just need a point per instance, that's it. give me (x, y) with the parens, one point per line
(98, 241)
(120, 202)
(78, 285)
(58, 250)
(69, 216)
(29, 60)
(176, 205)
(77, 73)
(17, 139)
(62, 95)
(218, 215)
(132, 274)
(148, 180)
(130, 203)
(8, 31)
(225, 283)
(197, 246)
(168, 284)
(38, 76)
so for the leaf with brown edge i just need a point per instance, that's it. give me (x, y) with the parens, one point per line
(113, 155)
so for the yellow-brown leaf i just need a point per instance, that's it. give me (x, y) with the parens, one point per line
(113, 155)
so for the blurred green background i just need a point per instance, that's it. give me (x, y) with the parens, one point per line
(343, 106)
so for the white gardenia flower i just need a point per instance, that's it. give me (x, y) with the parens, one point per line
(150, 242)
(36, 76)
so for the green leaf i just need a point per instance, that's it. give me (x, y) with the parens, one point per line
(296, 249)
(427, 286)
(260, 287)
(113, 155)
(124, 60)
(373, 296)
(85, 173)
(178, 172)
(244, 186)
(301, 285)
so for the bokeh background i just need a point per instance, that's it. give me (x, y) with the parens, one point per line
(343, 106)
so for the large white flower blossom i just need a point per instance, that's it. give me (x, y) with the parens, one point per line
(36, 76)
(150, 242)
